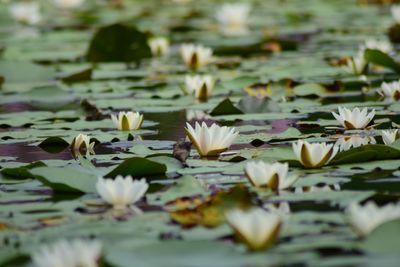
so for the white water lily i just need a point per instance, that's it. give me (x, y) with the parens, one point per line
(26, 12)
(127, 121)
(257, 227)
(121, 191)
(348, 142)
(200, 85)
(354, 119)
(63, 253)
(381, 45)
(233, 18)
(81, 145)
(395, 10)
(314, 155)
(390, 90)
(390, 136)
(274, 176)
(68, 4)
(197, 115)
(159, 46)
(356, 65)
(196, 56)
(282, 209)
(364, 219)
(210, 141)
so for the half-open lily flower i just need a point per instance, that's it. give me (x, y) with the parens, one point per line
(210, 141)
(121, 192)
(395, 10)
(364, 219)
(390, 136)
(26, 12)
(159, 46)
(390, 90)
(314, 155)
(233, 18)
(282, 209)
(63, 253)
(81, 145)
(196, 56)
(354, 119)
(128, 121)
(256, 227)
(347, 142)
(356, 65)
(380, 45)
(274, 176)
(68, 4)
(200, 85)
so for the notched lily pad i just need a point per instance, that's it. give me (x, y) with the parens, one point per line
(138, 167)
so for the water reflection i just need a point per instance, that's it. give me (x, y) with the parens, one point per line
(170, 125)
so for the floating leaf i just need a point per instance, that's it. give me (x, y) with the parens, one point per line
(225, 107)
(54, 144)
(381, 239)
(380, 58)
(118, 42)
(23, 172)
(138, 167)
(366, 153)
(66, 179)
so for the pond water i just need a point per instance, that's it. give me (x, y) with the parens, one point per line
(277, 72)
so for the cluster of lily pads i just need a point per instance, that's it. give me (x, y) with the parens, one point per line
(257, 227)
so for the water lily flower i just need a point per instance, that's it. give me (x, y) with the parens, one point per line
(314, 155)
(257, 227)
(356, 65)
(210, 141)
(121, 191)
(196, 56)
(282, 209)
(68, 4)
(390, 90)
(63, 253)
(197, 115)
(159, 46)
(395, 10)
(364, 219)
(347, 142)
(200, 85)
(354, 119)
(381, 45)
(233, 18)
(274, 176)
(127, 121)
(390, 136)
(26, 12)
(81, 145)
